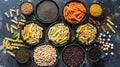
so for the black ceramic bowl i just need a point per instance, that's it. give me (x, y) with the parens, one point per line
(76, 45)
(91, 44)
(83, 17)
(18, 57)
(58, 45)
(98, 4)
(94, 54)
(24, 41)
(53, 47)
(43, 21)
(21, 10)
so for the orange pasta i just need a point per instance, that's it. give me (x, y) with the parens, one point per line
(74, 12)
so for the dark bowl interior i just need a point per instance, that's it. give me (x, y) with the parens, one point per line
(91, 44)
(99, 56)
(84, 54)
(23, 3)
(24, 41)
(43, 21)
(91, 5)
(84, 16)
(26, 51)
(58, 45)
(53, 47)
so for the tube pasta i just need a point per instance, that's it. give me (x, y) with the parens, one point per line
(86, 33)
(74, 12)
(59, 33)
(32, 33)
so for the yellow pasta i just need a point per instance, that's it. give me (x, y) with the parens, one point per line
(86, 33)
(59, 33)
(32, 33)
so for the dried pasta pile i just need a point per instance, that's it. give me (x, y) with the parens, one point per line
(32, 33)
(86, 33)
(74, 12)
(59, 33)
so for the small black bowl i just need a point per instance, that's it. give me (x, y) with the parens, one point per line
(78, 2)
(58, 45)
(43, 21)
(26, 59)
(94, 54)
(84, 54)
(22, 4)
(91, 44)
(53, 47)
(24, 41)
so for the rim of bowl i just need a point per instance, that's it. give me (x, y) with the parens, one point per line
(43, 21)
(83, 17)
(91, 44)
(58, 45)
(84, 54)
(26, 2)
(40, 39)
(50, 45)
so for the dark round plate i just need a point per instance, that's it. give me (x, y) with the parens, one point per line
(50, 45)
(91, 44)
(24, 41)
(58, 45)
(78, 2)
(84, 54)
(43, 21)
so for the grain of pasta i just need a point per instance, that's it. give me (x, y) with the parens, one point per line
(86, 33)
(32, 33)
(74, 12)
(59, 33)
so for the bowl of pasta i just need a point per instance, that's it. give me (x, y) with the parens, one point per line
(32, 33)
(74, 12)
(86, 34)
(58, 34)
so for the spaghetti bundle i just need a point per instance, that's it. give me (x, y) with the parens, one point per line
(74, 12)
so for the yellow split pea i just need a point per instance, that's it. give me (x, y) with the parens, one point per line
(96, 10)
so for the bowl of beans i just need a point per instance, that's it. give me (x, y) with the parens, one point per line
(45, 55)
(73, 56)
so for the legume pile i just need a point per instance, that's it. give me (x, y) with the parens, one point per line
(45, 55)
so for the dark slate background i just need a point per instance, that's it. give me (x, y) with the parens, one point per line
(111, 8)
